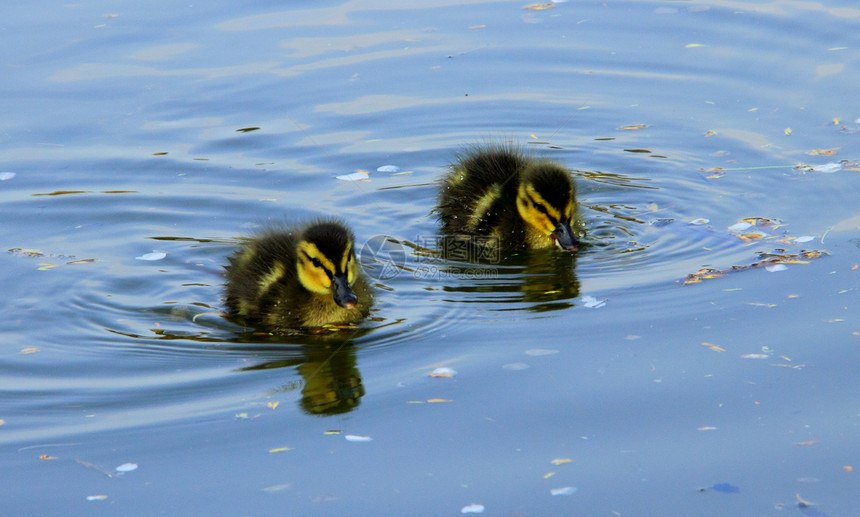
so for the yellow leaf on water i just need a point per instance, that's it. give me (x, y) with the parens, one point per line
(713, 347)
(693, 45)
(560, 461)
(548, 475)
(29, 350)
(710, 133)
(787, 131)
(45, 266)
(46, 457)
(823, 152)
(538, 7)
(280, 449)
(438, 400)
(634, 127)
(272, 404)
(807, 443)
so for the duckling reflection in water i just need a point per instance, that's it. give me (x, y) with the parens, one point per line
(496, 196)
(299, 278)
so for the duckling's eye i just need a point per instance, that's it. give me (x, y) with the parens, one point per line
(316, 262)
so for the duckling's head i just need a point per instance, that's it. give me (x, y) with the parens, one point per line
(326, 264)
(546, 202)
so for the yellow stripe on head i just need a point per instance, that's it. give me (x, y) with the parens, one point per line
(535, 210)
(315, 270)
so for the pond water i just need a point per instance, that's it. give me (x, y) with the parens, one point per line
(599, 383)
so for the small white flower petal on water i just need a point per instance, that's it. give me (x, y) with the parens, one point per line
(515, 366)
(541, 351)
(7, 175)
(805, 238)
(828, 167)
(355, 176)
(96, 497)
(126, 467)
(776, 267)
(443, 372)
(700, 221)
(357, 438)
(388, 168)
(754, 356)
(739, 227)
(472, 508)
(155, 255)
(592, 302)
(567, 490)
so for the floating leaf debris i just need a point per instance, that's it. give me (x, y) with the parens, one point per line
(768, 259)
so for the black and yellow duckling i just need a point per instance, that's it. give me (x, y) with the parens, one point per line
(495, 195)
(298, 278)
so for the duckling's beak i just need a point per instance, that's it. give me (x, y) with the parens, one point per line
(563, 236)
(342, 292)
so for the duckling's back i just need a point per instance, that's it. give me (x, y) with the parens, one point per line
(258, 272)
(475, 193)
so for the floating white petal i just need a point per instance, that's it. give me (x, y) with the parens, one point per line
(776, 267)
(739, 227)
(472, 508)
(540, 351)
(127, 467)
(567, 490)
(592, 302)
(355, 176)
(388, 168)
(805, 238)
(515, 366)
(7, 175)
(155, 255)
(357, 438)
(828, 167)
(700, 221)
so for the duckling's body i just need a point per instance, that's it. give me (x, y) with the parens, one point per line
(496, 196)
(300, 277)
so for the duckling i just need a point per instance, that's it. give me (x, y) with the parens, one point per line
(300, 277)
(496, 196)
